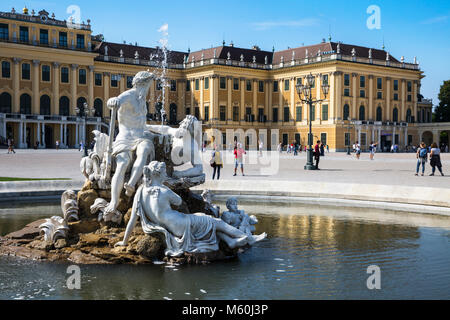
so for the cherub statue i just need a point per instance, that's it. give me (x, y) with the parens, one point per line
(238, 218)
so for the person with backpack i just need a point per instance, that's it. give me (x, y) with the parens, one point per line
(435, 159)
(216, 163)
(421, 156)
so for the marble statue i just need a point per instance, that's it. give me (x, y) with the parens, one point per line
(191, 233)
(99, 207)
(207, 197)
(93, 166)
(69, 205)
(134, 140)
(54, 228)
(238, 218)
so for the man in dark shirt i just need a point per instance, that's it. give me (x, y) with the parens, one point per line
(317, 154)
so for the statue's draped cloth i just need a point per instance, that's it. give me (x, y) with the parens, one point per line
(199, 235)
(122, 145)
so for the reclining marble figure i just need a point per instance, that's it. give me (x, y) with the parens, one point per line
(183, 232)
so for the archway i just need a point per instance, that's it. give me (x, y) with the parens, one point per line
(45, 105)
(5, 103)
(25, 104)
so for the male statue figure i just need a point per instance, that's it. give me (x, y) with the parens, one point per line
(133, 136)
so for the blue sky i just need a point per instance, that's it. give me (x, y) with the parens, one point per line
(409, 28)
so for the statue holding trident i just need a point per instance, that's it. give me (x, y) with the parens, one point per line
(133, 137)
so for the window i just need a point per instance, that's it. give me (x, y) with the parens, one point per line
(324, 112)
(260, 115)
(286, 114)
(362, 81)
(379, 83)
(346, 112)
(6, 69)
(248, 114)
(347, 92)
(222, 83)
(5, 103)
(347, 138)
(80, 41)
(409, 86)
(45, 73)
(379, 95)
(188, 85)
(298, 113)
(206, 83)
(65, 75)
(114, 80)
(173, 85)
(362, 113)
(396, 96)
(261, 86)
(197, 113)
(222, 113)
(98, 107)
(197, 84)
(25, 104)
(82, 76)
(98, 79)
(313, 113)
(249, 85)
(235, 84)
(379, 114)
(409, 98)
(362, 93)
(395, 115)
(325, 79)
(235, 113)
(4, 31)
(275, 114)
(286, 85)
(395, 85)
(206, 113)
(275, 86)
(346, 79)
(408, 116)
(323, 138)
(63, 39)
(363, 139)
(23, 34)
(299, 81)
(129, 82)
(43, 37)
(26, 75)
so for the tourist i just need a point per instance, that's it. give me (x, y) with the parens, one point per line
(357, 150)
(435, 159)
(216, 163)
(261, 146)
(354, 147)
(238, 158)
(81, 146)
(328, 148)
(317, 154)
(295, 149)
(322, 150)
(57, 144)
(280, 147)
(11, 146)
(446, 148)
(421, 156)
(372, 149)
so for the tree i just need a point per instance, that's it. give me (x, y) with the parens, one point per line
(442, 111)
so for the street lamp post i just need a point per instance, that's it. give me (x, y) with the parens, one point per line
(305, 90)
(84, 113)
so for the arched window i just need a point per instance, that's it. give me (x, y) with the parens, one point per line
(158, 108)
(64, 106)
(362, 113)
(408, 116)
(45, 105)
(346, 112)
(5, 103)
(80, 105)
(379, 114)
(98, 106)
(173, 114)
(25, 104)
(395, 115)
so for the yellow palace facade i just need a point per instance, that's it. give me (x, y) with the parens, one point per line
(52, 69)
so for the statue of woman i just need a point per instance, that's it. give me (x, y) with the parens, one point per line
(183, 232)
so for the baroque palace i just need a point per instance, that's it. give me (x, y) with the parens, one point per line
(53, 69)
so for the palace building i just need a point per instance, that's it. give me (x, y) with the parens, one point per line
(51, 69)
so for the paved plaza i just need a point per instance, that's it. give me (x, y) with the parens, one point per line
(386, 169)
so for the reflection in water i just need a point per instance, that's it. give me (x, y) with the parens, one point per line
(321, 254)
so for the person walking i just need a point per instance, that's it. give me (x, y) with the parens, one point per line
(57, 144)
(421, 156)
(322, 150)
(280, 148)
(216, 163)
(295, 149)
(261, 146)
(11, 146)
(372, 149)
(238, 158)
(435, 159)
(328, 148)
(357, 150)
(317, 154)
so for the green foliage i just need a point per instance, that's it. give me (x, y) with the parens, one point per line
(442, 111)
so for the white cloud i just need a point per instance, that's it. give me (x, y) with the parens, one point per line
(435, 20)
(308, 22)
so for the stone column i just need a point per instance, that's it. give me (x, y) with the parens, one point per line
(43, 135)
(216, 97)
(16, 85)
(122, 83)
(20, 142)
(255, 98)
(64, 139)
(402, 111)
(406, 136)
(354, 94)
(91, 86)
(35, 84)
(416, 88)
(152, 95)
(242, 89)
(331, 94)
(373, 134)
(359, 136)
(202, 111)
(280, 99)
(106, 84)
(212, 104)
(181, 88)
(338, 95)
(77, 138)
(370, 116)
(192, 96)
(61, 132)
(267, 98)
(55, 100)
(73, 87)
(292, 98)
(388, 99)
(379, 139)
(38, 133)
(229, 95)
(393, 134)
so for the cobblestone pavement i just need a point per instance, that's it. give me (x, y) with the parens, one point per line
(386, 169)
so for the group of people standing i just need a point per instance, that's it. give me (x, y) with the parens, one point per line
(434, 156)
(216, 161)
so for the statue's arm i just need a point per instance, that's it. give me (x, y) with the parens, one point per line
(174, 198)
(130, 227)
